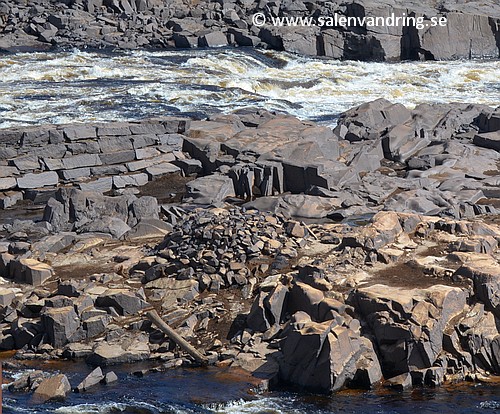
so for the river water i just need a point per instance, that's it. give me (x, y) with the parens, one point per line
(187, 391)
(79, 86)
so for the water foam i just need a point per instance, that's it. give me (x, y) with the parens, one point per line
(85, 86)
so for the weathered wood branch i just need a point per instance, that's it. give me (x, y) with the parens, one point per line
(179, 340)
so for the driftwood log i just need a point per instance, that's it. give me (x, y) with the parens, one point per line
(179, 340)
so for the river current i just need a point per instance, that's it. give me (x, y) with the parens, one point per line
(79, 86)
(219, 391)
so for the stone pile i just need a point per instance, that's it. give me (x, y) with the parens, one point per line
(471, 30)
(218, 248)
(41, 321)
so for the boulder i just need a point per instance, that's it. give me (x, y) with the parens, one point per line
(30, 271)
(60, 324)
(209, 190)
(55, 388)
(123, 301)
(91, 380)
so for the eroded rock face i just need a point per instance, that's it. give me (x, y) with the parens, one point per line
(408, 324)
(327, 356)
(484, 271)
(322, 349)
(470, 30)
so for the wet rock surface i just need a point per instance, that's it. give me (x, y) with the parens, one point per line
(356, 257)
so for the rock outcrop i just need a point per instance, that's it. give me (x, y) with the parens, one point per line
(445, 31)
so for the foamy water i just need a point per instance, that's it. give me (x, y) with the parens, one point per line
(82, 86)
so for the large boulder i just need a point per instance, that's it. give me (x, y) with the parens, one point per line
(55, 388)
(408, 324)
(61, 324)
(123, 301)
(326, 357)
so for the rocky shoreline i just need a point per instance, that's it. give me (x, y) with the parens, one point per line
(472, 30)
(356, 257)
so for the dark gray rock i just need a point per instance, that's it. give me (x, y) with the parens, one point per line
(60, 324)
(124, 301)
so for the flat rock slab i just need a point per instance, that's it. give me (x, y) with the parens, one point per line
(32, 180)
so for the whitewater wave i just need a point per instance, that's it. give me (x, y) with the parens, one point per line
(80, 86)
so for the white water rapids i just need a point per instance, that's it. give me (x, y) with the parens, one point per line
(84, 86)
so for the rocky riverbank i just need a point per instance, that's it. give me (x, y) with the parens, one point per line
(356, 257)
(472, 29)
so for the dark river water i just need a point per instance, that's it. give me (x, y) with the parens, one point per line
(224, 391)
(78, 86)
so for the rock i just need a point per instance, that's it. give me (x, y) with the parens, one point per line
(25, 332)
(488, 140)
(110, 377)
(483, 271)
(400, 382)
(111, 225)
(105, 353)
(173, 291)
(305, 298)
(149, 229)
(209, 190)
(75, 133)
(118, 157)
(134, 180)
(476, 40)
(101, 185)
(189, 166)
(60, 324)
(55, 388)
(38, 180)
(268, 309)
(6, 296)
(30, 271)
(143, 208)
(322, 356)
(296, 205)
(96, 325)
(213, 39)
(408, 323)
(369, 120)
(162, 169)
(122, 300)
(91, 380)
(7, 183)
